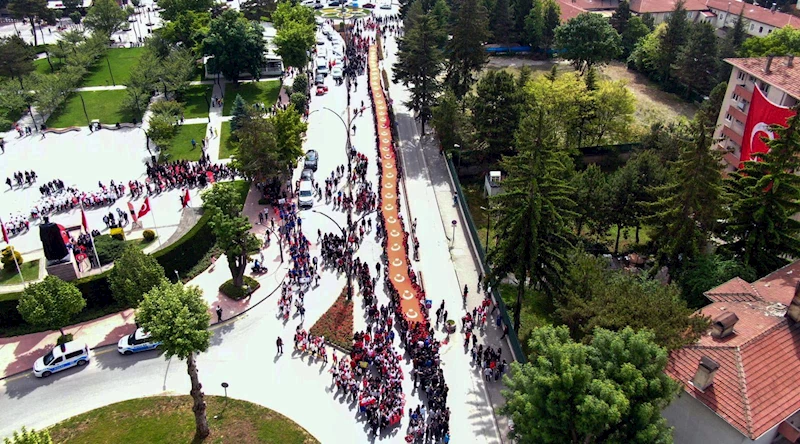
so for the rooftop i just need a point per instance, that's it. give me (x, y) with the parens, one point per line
(755, 13)
(755, 387)
(569, 10)
(655, 6)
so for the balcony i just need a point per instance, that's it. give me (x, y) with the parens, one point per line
(732, 134)
(742, 92)
(736, 113)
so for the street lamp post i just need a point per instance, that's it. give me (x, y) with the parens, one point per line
(88, 122)
(280, 242)
(488, 226)
(457, 146)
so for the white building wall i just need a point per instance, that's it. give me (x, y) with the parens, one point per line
(695, 423)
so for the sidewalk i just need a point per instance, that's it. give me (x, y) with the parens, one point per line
(18, 353)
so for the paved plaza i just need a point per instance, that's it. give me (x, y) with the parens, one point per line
(243, 350)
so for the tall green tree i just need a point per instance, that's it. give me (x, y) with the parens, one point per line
(419, 64)
(690, 203)
(595, 296)
(291, 12)
(533, 32)
(134, 273)
(672, 41)
(520, 11)
(105, 16)
(534, 212)
(496, 112)
(501, 23)
(177, 317)
(231, 229)
(449, 121)
(590, 194)
(30, 10)
(610, 390)
(552, 20)
(464, 51)
(25, 436)
(236, 44)
(780, 42)
(51, 303)
(258, 9)
(588, 40)
(16, 58)
(188, 28)
(698, 61)
(621, 16)
(707, 271)
(171, 9)
(294, 41)
(765, 194)
(289, 128)
(635, 31)
(257, 149)
(239, 113)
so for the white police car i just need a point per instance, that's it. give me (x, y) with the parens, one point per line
(60, 358)
(136, 342)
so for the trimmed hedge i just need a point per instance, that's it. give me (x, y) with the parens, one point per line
(236, 293)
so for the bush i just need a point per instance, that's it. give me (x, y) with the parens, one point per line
(8, 259)
(64, 339)
(118, 234)
(108, 248)
(235, 292)
(300, 84)
(299, 101)
(149, 235)
(184, 254)
(134, 273)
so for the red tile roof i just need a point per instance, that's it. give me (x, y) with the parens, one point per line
(654, 6)
(755, 387)
(593, 5)
(781, 76)
(569, 10)
(755, 13)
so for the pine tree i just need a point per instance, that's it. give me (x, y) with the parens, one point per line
(419, 65)
(765, 194)
(672, 41)
(465, 53)
(690, 204)
(552, 19)
(534, 212)
(239, 112)
(501, 22)
(619, 19)
(534, 26)
(521, 10)
(698, 60)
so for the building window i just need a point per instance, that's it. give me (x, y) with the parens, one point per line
(752, 26)
(728, 117)
(736, 97)
(764, 88)
(752, 79)
(741, 76)
(769, 32)
(760, 29)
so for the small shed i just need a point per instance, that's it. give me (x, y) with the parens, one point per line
(492, 183)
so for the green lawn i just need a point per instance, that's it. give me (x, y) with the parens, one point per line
(253, 92)
(103, 105)
(194, 100)
(42, 67)
(169, 419)
(181, 146)
(30, 272)
(121, 61)
(226, 149)
(536, 311)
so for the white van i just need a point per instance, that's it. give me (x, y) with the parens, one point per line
(306, 194)
(322, 66)
(60, 358)
(386, 4)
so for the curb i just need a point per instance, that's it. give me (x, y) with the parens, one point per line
(210, 327)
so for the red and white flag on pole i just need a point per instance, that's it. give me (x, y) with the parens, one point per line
(84, 223)
(134, 216)
(145, 207)
(186, 197)
(5, 234)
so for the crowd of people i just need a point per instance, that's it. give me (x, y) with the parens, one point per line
(22, 178)
(185, 174)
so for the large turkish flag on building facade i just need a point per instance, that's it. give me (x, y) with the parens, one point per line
(762, 115)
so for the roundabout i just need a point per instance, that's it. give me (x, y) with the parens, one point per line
(348, 13)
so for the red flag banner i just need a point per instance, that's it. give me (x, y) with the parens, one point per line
(5, 233)
(84, 223)
(134, 216)
(186, 197)
(763, 114)
(145, 207)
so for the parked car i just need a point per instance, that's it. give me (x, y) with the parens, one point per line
(334, 3)
(336, 73)
(306, 174)
(386, 4)
(312, 160)
(319, 79)
(306, 194)
(136, 342)
(61, 357)
(369, 6)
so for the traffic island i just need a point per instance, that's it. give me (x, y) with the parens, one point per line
(238, 293)
(169, 419)
(336, 324)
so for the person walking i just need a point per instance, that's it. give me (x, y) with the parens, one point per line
(219, 313)
(279, 343)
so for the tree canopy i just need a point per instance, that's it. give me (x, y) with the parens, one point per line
(464, 51)
(25, 436)
(588, 40)
(134, 273)
(780, 42)
(51, 303)
(105, 16)
(237, 46)
(610, 390)
(16, 58)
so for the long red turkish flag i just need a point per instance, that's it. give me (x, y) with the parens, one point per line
(763, 114)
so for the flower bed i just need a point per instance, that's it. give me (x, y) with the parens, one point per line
(336, 324)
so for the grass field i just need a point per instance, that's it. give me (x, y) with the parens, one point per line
(42, 67)
(226, 150)
(30, 272)
(103, 105)
(169, 419)
(536, 311)
(194, 100)
(253, 92)
(181, 146)
(121, 61)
